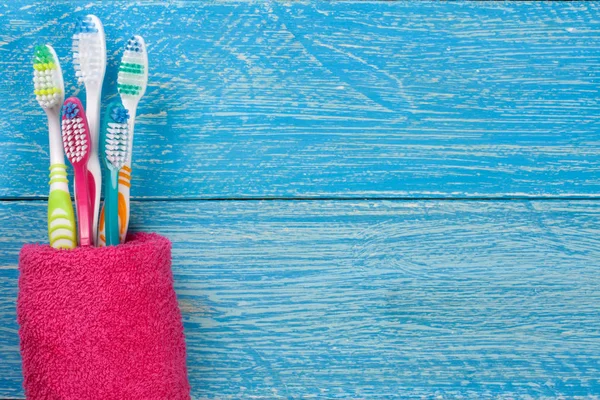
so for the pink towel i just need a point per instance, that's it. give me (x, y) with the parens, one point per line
(101, 323)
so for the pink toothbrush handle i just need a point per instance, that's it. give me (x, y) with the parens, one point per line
(84, 210)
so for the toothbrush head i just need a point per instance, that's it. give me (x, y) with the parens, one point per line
(116, 135)
(133, 71)
(89, 51)
(48, 85)
(75, 132)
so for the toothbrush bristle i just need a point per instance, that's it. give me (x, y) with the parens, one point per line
(89, 52)
(133, 44)
(132, 76)
(117, 136)
(75, 133)
(86, 25)
(45, 85)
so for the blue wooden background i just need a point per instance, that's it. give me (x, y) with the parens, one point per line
(366, 199)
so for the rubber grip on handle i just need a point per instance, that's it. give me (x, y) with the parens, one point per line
(92, 193)
(62, 232)
(84, 212)
(124, 192)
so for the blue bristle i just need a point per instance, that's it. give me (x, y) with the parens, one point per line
(86, 25)
(133, 45)
(120, 114)
(70, 110)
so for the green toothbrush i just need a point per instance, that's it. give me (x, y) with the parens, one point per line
(49, 92)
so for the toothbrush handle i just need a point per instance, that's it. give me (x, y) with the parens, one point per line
(62, 233)
(125, 173)
(124, 189)
(101, 230)
(94, 181)
(111, 209)
(93, 165)
(83, 206)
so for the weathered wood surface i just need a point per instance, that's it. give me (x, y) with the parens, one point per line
(347, 100)
(367, 299)
(364, 99)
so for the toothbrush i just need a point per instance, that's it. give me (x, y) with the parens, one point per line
(115, 142)
(89, 58)
(49, 92)
(131, 82)
(77, 144)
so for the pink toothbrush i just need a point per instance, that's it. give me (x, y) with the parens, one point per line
(76, 141)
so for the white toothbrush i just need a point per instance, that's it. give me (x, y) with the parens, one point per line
(132, 82)
(89, 58)
(49, 91)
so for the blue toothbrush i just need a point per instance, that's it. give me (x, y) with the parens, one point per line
(115, 143)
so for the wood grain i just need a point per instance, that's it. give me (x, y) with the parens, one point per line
(367, 299)
(358, 104)
(358, 100)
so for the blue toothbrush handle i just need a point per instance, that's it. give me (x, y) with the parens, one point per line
(111, 208)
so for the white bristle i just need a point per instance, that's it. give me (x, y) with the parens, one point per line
(74, 139)
(89, 52)
(132, 78)
(117, 142)
(88, 66)
(47, 80)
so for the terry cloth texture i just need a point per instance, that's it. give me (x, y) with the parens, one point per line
(101, 323)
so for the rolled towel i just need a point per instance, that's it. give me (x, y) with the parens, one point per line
(101, 323)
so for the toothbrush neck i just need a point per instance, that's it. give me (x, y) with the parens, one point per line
(55, 137)
(131, 106)
(93, 117)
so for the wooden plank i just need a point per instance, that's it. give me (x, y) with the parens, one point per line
(367, 299)
(359, 99)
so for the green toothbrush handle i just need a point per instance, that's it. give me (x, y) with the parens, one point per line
(111, 208)
(62, 231)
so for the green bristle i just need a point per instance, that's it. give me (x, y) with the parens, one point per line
(131, 68)
(45, 66)
(129, 89)
(42, 56)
